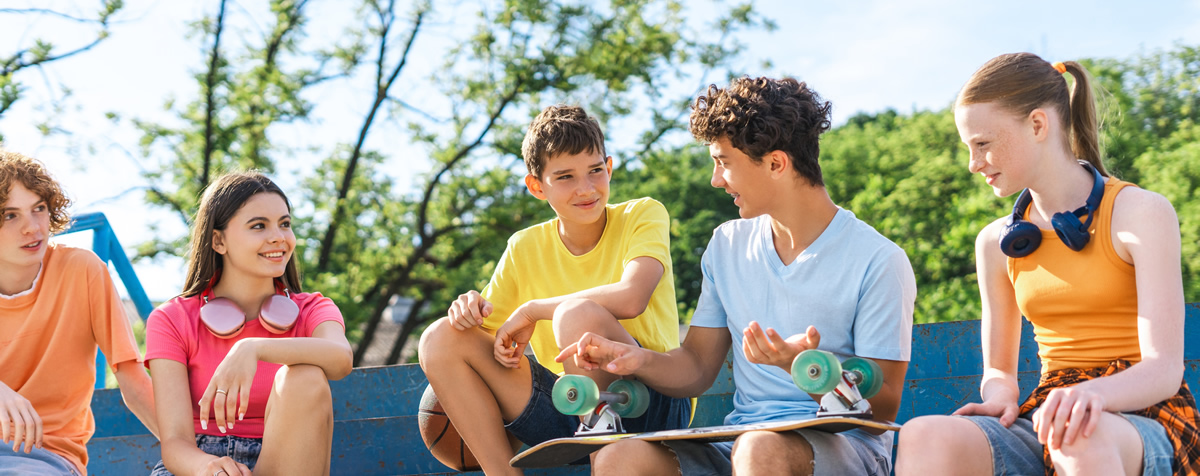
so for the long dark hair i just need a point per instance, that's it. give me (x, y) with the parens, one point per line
(1022, 82)
(222, 199)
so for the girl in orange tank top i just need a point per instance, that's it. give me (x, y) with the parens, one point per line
(1093, 263)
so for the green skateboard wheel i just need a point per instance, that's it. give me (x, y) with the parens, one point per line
(637, 401)
(575, 395)
(870, 375)
(816, 371)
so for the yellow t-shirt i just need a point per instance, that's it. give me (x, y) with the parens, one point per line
(536, 265)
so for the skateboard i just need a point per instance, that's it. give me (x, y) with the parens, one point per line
(844, 386)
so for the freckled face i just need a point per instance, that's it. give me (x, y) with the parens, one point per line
(1000, 146)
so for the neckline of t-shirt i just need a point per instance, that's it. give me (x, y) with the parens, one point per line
(558, 240)
(767, 243)
(36, 278)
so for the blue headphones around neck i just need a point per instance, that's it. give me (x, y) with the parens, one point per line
(1019, 238)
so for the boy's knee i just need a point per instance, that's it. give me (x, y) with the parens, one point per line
(574, 317)
(304, 383)
(436, 341)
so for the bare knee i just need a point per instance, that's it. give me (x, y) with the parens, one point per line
(945, 444)
(633, 457)
(760, 446)
(441, 342)
(305, 384)
(574, 317)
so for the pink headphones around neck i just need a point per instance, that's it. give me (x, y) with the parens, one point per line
(225, 319)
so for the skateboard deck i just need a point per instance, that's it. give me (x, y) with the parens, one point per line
(563, 451)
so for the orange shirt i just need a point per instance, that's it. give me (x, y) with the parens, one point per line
(48, 341)
(1082, 304)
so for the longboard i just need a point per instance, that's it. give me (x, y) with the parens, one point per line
(563, 451)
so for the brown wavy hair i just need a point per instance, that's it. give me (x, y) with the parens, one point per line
(33, 175)
(760, 115)
(1022, 82)
(559, 130)
(220, 202)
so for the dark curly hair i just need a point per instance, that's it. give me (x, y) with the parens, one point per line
(761, 115)
(558, 130)
(32, 174)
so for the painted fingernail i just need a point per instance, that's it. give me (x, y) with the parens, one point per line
(230, 425)
(240, 416)
(219, 427)
(203, 424)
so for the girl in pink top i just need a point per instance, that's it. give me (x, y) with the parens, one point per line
(244, 342)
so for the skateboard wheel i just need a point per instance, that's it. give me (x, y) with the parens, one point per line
(638, 398)
(575, 395)
(870, 375)
(816, 371)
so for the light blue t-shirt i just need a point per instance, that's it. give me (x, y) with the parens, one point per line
(855, 286)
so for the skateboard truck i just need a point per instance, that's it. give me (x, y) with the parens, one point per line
(603, 421)
(844, 386)
(602, 411)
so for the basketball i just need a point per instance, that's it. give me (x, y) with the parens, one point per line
(442, 439)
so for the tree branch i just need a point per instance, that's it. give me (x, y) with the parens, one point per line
(210, 107)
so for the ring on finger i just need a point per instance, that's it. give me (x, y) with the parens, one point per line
(222, 392)
(220, 472)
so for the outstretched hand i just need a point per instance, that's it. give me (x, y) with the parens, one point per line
(594, 352)
(769, 348)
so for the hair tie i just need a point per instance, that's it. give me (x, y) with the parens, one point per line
(1060, 67)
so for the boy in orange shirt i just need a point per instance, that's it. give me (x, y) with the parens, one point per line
(57, 305)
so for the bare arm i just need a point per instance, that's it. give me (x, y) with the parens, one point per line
(1146, 234)
(327, 349)
(683, 372)
(175, 424)
(137, 392)
(1001, 329)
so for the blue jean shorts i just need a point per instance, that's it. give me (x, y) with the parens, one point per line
(1015, 450)
(540, 421)
(40, 462)
(242, 450)
(833, 453)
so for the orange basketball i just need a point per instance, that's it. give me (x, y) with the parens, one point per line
(440, 436)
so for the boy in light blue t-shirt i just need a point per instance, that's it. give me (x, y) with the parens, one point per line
(796, 272)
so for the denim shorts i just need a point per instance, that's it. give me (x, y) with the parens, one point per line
(833, 453)
(242, 450)
(540, 421)
(1015, 450)
(40, 461)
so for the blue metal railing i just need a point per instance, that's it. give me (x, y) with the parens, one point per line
(106, 246)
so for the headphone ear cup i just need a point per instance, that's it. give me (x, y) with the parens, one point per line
(1020, 238)
(1070, 230)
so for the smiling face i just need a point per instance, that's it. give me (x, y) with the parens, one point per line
(576, 186)
(258, 240)
(746, 180)
(1001, 144)
(26, 226)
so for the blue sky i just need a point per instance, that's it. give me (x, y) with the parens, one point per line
(862, 55)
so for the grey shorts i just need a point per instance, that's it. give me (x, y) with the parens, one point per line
(833, 453)
(39, 462)
(1015, 450)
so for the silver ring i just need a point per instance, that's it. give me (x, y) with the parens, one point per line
(222, 392)
(220, 472)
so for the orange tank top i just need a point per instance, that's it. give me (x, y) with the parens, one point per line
(1082, 304)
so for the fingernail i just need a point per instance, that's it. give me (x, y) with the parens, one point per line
(219, 427)
(203, 424)
(230, 425)
(240, 416)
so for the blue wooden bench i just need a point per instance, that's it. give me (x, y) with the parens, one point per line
(375, 431)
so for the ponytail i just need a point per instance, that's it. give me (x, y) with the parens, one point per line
(1022, 82)
(1085, 129)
